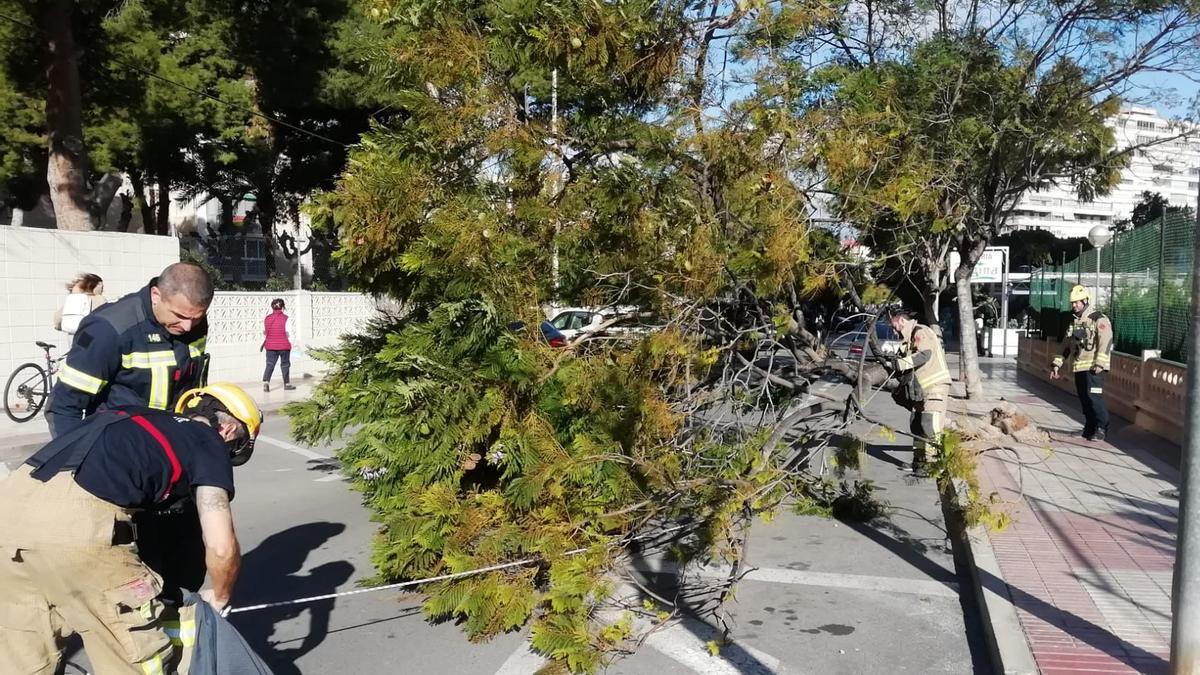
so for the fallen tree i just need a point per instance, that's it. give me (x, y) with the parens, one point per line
(474, 442)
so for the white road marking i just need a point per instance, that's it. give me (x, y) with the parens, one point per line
(522, 662)
(284, 445)
(685, 643)
(863, 582)
(305, 453)
(855, 581)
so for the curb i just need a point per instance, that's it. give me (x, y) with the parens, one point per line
(1008, 646)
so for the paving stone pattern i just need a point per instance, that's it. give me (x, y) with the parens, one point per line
(1089, 556)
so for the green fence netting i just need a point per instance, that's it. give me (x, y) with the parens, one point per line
(1142, 279)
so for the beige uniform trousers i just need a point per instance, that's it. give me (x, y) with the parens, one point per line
(928, 420)
(60, 573)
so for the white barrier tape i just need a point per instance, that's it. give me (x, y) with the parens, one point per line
(418, 582)
(404, 584)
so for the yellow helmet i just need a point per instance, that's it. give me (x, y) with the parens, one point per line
(1080, 293)
(237, 402)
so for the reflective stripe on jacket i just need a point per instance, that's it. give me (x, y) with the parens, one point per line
(921, 350)
(121, 356)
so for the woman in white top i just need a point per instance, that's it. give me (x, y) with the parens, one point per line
(85, 293)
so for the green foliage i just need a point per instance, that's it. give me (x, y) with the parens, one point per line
(922, 139)
(854, 501)
(278, 282)
(1037, 248)
(958, 462)
(150, 83)
(473, 442)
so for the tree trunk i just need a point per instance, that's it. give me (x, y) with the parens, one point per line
(103, 194)
(142, 202)
(931, 306)
(968, 357)
(162, 219)
(268, 213)
(67, 169)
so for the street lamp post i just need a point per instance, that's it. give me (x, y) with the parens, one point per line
(1099, 236)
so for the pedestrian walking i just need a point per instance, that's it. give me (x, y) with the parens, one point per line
(145, 349)
(84, 294)
(277, 342)
(1089, 347)
(921, 363)
(69, 565)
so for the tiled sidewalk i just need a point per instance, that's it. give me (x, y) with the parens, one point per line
(1088, 559)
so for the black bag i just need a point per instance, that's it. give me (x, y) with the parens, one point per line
(908, 392)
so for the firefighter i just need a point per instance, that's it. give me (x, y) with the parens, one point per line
(68, 559)
(1089, 346)
(921, 354)
(144, 350)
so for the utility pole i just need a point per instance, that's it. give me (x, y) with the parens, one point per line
(1185, 595)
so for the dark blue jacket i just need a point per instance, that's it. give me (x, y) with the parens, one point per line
(121, 356)
(219, 649)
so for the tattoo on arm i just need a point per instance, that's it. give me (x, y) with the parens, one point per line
(209, 499)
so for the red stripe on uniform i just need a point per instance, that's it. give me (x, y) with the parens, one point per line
(176, 469)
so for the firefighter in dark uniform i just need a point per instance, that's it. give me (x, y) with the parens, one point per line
(144, 350)
(1089, 347)
(67, 565)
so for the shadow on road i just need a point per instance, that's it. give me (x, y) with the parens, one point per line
(271, 573)
(697, 605)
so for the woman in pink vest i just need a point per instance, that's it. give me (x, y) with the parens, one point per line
(278, 344)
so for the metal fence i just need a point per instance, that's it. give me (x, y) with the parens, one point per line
(1142, 280)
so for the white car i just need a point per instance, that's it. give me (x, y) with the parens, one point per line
(574, 322)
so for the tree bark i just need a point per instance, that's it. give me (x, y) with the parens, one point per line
(931, 306)
(268, 213)
(968, 357)
(102, 197)
(162, 219)
(67, 169)
(143, 203)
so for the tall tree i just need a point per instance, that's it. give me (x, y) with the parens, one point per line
(949, 134)
(1149, 208)
(594, 130)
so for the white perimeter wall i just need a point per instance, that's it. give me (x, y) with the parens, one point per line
(35, 265)
(235, 330)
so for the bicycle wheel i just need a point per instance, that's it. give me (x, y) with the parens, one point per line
(26, 392)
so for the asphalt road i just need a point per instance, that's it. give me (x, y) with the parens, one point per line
(828, 597)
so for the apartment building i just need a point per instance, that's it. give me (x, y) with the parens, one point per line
(1171, 168)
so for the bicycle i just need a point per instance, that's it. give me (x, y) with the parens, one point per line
(29, 386)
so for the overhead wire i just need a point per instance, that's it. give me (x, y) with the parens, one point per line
(197, 92)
